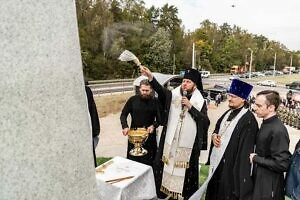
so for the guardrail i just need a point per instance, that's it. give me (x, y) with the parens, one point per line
(110, 81)
(119, 85)
(111, 87)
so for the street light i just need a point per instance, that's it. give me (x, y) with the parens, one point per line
(251, 52)
(274, 64)
(291, 64)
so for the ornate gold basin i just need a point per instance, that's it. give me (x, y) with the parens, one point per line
(137, 137)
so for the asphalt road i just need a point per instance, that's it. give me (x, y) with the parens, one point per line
(224, 80)
(99, 89)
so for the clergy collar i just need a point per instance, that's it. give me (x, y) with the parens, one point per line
(234, 113)
(266, 121)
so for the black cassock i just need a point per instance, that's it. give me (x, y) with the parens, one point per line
(272, 160)
(94, 118)
(191, 182)
(144, 113)
(232, 180)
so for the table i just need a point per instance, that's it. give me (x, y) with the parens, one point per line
(140, 186)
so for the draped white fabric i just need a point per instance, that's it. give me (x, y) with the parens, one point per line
(226, 129)
(141, 186)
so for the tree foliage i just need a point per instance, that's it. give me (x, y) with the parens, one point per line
(156, 35)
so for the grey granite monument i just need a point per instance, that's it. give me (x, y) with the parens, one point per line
(46, 142)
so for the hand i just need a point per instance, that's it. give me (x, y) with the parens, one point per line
(146, 72)
(251, 157)
(216, 139)
(150, 129)
(125, 131)
(185, 101)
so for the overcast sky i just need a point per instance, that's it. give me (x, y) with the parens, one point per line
(278, 20)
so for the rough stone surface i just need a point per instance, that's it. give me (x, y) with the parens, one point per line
(46, 147)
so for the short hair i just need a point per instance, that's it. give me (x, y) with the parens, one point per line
(145, 82)
(272, 97)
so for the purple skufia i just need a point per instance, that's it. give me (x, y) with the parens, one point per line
(240, 88)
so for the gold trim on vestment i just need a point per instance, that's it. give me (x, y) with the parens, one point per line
(182, 164)
(165, 160)
(178, 164)
(174, 195)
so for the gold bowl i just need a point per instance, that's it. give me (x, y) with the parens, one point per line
(137, 137)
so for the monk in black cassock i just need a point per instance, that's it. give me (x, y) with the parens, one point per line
(94, 120)
(232, 142)
(144, 111)
(272, 157)
(185, 124)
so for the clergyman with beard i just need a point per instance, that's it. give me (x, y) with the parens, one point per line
(185, 124)
(144, 111)
(230, 172)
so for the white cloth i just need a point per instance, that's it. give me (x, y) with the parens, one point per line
(180, 138)
(189, 125)
(226, 130)
(141, 186)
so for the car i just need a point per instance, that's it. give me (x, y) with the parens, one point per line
(205, 74)
(293, 85)
(214, 91)
(169, 81)
(268, 73)
(267, 83)
(260, 74)
(224, 87)
(235, 76)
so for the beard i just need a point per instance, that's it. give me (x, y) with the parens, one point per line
(145, 96)
(189, 92)
(232, 107)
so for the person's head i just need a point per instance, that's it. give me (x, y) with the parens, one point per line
(296, 97)
(238, 93)
(235, 101)
(266, 103)
(145, 89)
(191, 80)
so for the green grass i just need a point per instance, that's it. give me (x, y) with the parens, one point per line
(203, 173)
(281, 79)
(101, 160)
(202, 176)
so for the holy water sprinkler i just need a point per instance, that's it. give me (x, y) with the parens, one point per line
(128, 56)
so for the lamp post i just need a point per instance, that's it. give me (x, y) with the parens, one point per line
(250, 67)
(274, 67)
(193, 56)
(291, 64)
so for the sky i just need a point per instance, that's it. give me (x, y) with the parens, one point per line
(277, 20)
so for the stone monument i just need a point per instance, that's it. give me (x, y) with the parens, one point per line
(46, 141)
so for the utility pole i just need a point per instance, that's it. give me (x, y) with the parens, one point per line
(251, 52)
(291, 64)
(274, 64)
(174, 66)
(193, 56)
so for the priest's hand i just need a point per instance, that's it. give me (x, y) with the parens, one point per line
(125, 131)
(186, 102)
(251, 157)
(150, 129)
(216, 139)
(146, 72)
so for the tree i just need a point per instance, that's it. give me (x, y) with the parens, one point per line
(158, 56)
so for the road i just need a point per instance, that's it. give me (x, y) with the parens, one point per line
(224, 80)
(99, 89)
